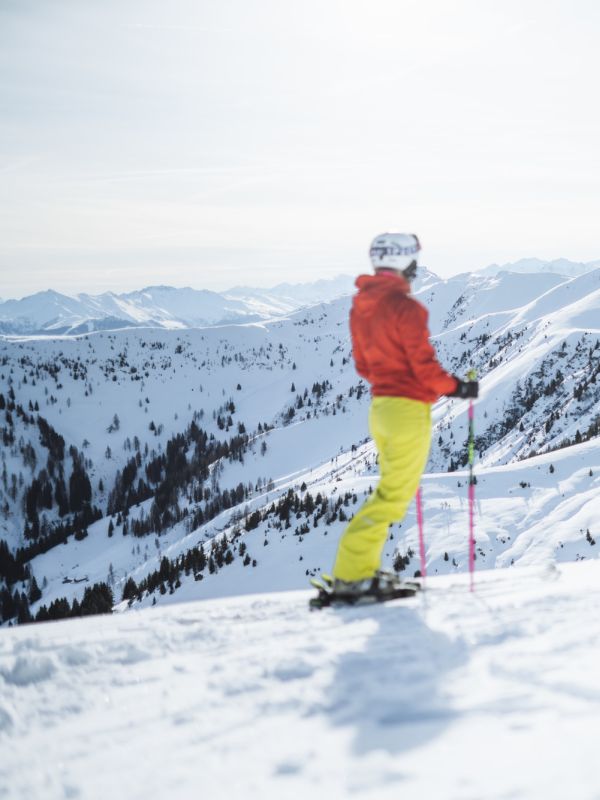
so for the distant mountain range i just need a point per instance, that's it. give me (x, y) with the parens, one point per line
(53, 313)
(559, 266)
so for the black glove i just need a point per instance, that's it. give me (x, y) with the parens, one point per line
(465, 389)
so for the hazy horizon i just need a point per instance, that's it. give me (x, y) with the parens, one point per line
(264, 285)
(224, 143)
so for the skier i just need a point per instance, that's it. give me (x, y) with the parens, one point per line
(391, 349)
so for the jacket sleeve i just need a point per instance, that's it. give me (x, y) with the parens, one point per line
(421, 355)
(357, 351)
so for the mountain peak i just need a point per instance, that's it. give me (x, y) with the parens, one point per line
(557, 266)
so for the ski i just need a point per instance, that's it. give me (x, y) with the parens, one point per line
(326, 597)
(326, 581)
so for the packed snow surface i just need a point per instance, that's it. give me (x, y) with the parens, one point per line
(452, 694)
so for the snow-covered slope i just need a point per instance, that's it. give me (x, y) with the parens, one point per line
(538, 512)
(559, 266)
(448, 695)
(213, 440)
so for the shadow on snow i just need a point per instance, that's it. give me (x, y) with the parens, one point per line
(393, 692)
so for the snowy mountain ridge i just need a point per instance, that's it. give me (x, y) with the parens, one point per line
(53, 313)
(166, 307)
(557, 266)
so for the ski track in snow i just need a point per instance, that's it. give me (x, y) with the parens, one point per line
(449, 695)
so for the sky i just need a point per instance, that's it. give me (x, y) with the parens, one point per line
(220, 142)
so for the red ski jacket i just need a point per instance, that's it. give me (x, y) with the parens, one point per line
(390, 341)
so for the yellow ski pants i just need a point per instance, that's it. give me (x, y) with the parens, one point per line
(401, 429)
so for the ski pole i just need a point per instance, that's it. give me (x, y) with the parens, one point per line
(421, 536)
(472, 375)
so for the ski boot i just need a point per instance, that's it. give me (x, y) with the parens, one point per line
(381, 587)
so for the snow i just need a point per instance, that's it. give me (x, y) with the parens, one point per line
(226, 685)
(450, 694)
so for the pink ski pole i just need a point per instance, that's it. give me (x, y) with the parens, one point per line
(471, 376)
(471, 535)
(421, 536)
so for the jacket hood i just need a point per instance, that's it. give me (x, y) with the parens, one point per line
(372, 289)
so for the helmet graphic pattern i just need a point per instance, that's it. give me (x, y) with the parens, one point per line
(395, 250)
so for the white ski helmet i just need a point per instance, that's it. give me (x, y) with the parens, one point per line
(394, 250)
